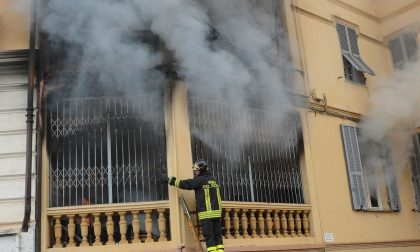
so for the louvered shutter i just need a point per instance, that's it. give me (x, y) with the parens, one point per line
(410, 44)
(416, 169)
(393, 195)
(342, 35)
(354, 167)
(354, 49)
(397, 54)
(350, 49)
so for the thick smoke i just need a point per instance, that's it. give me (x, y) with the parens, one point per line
(225, 49)
(387, 127)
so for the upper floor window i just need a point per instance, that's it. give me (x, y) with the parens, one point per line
(403, 49)
(105, 150)
(354, 66)
(262, 163)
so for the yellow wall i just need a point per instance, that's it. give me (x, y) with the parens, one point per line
(311, 25)
(316, 51)
(14, 24)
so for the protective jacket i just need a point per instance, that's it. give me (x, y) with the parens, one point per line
(207, 195)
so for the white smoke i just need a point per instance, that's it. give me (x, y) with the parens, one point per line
(242, 66)
(394, 114)
(105, 47)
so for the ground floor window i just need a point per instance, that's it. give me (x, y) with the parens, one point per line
(254, 153)
(106, 150)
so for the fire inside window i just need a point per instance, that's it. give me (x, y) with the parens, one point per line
(258, 163)
(106, 150)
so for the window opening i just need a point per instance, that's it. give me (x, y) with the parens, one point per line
(403, 49)
(261, 165)
(354, 66)
(106, 150)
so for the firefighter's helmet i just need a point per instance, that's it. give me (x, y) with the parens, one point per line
(200, 165)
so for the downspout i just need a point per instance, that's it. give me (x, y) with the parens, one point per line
(30, 117)
(38, 166)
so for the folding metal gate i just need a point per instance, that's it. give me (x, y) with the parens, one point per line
(253, 153)
(106, 150)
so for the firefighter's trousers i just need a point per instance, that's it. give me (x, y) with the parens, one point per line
(212, 231)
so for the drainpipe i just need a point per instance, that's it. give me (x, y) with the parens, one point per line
(38, 166)
(30, 117)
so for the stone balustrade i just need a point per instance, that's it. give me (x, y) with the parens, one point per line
(259, 220)
(98, 225)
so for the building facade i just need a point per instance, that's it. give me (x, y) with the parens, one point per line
(295, 181)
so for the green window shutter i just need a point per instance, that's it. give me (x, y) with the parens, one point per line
(416, 169)
(354, 167)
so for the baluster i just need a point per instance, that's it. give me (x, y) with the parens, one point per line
(269, 223)
(110, 228)
(149, 225)
(277, 223)
(123, 228)
(97, 229)
(253, 221)
(236, 224)
(71, 231)
(298, 223)
(261, 223)
(227, 223)
(162, 224)
(244, 223)
(136, 227)
(291, 223)
(57, 231)
(283, 221)
(306, 223)
(84, 229)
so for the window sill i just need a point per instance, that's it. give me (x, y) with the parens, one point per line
(373, 210)
(355, 83)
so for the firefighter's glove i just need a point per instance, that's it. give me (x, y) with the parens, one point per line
(171, 180)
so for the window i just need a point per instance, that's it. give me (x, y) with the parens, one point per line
(354, 66)
(106, 150)
(416, 168)
(254, 153)
(403, 49)
(366, 189)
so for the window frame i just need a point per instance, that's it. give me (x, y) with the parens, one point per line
(354, 164)
(401, 41)
(353, 65)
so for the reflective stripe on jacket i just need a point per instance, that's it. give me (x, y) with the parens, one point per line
(207, 195)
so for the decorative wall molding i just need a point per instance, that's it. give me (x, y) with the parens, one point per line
(371, 245)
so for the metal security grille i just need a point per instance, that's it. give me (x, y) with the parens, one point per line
(253, 153)
(106, 150)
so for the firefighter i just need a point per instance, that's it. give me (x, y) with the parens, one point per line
(209, 208)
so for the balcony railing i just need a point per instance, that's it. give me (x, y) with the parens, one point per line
(256, 220)
(97, 225)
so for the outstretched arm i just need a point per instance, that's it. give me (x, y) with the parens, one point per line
(187, 184)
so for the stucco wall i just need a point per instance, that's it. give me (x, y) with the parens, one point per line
(14, 24)
(311, 25)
